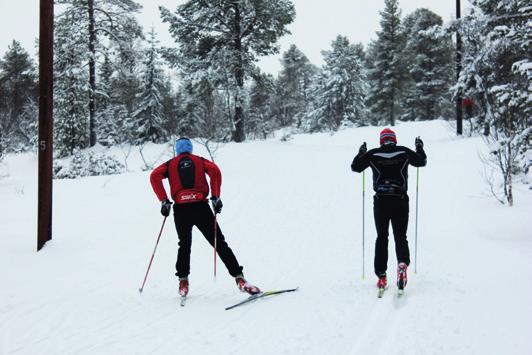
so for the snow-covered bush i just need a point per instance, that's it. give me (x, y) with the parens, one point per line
(87, 164)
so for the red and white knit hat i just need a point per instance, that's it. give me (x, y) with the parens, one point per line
(388, 135)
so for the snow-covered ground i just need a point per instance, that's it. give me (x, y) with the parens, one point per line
(292, 214)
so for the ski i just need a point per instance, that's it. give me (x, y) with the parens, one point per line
(400, 293)
(260, 295)
(183, 301)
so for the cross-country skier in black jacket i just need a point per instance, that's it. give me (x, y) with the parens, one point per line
(389, 164)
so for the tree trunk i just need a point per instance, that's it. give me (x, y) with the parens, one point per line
(459, 113)
(392, 108)
(509, 161)
(239, 134)
(92, 74)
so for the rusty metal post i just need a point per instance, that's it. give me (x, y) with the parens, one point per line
(46, 59)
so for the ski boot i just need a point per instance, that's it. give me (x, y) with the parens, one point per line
(401, 276)
(183, 286)
(244, 286)
(382, 285)
(382, 282)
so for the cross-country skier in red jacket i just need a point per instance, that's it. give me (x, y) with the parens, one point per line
(189, 190)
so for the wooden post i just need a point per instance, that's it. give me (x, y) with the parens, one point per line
(459, 113)
(46, 59)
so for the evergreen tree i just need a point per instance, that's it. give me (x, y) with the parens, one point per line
(18, 93)
(228, 36)
(101, 22)
(496, 73)
(293, 86)
(127, 86)
(172, 112)
(261, 95)
(340, 88)
(147, 121)
(71, 86)
(108, 119)
(388, 70)
(201, 114)
(430, 65)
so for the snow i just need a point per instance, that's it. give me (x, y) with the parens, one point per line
(292, 214)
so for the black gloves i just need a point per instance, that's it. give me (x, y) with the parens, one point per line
(419, 143)
(216, 204)
(363, 149)
(166, 206)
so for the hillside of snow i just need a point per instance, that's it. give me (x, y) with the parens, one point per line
(292, 215)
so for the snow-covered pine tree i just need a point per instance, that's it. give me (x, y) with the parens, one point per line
(18, 93)
(203, 109)
(171, 107)
(146, 120)
(260, 108)
(497, 73)
(293, 87)
(340, 88)
(430, 64)
(108, 131)
(71, 85)
(228, 36)
(101, 22)
(126, 86)
(388, 72)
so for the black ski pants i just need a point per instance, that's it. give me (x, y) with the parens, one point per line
(199, 214)
(386, 209)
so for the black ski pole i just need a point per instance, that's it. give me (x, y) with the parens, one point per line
(363, 222)
(215, 237)
(417, 199)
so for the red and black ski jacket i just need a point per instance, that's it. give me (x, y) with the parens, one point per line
(186, 175)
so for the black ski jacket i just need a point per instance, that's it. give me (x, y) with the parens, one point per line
(390, 167)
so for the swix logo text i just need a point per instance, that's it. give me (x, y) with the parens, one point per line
(191, 196)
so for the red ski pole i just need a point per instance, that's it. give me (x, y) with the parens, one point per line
(215, 232)
(152, 255)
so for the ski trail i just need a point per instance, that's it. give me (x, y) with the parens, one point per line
(378, 335)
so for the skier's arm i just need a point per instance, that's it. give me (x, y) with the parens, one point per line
(156, 180)
(417, 158)
(215, 175)
(360, 162)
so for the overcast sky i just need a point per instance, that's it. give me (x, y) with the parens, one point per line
(317, 23)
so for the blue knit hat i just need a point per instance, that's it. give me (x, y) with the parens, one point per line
(183, 145)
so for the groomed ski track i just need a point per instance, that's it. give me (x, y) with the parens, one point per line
(292, 215)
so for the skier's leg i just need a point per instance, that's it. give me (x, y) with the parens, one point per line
(400, 226)
(205, 223)
(183, 225)
(382, 221)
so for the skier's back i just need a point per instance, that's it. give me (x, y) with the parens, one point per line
(189, 190)
(389, 164)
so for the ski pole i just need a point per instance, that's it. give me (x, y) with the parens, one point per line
(417, 199)
(215, 237)
(363, 222)
(152, 255)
